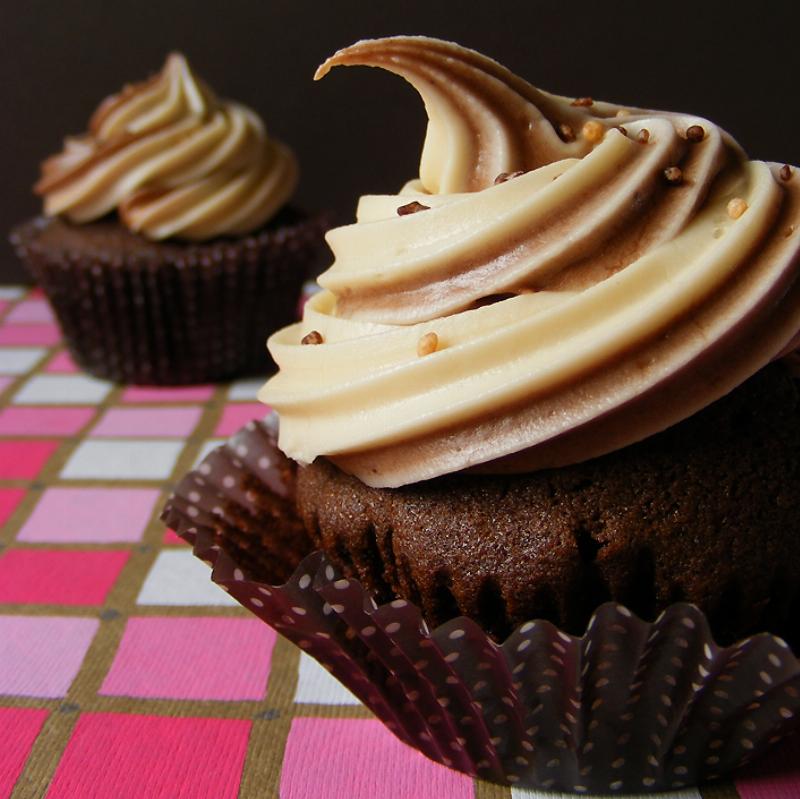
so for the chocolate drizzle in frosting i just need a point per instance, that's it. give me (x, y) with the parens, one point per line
(174, 160)
(580, 306)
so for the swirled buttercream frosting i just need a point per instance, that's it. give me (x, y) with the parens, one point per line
(566, 277)
(173, 160)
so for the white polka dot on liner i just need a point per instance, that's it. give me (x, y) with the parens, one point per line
(228, 481)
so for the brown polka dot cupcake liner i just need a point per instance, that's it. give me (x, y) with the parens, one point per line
(139, 312)
(630, 706)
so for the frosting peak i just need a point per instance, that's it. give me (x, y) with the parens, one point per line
(482, 119)
(612, 282)
(174, 160)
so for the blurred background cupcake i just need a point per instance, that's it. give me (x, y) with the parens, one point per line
(167, 247)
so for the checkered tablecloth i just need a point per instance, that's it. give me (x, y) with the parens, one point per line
(124, 671)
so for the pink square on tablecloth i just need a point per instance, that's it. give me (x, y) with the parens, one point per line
(3, 306)
(62, 364)
(41, 655)
(23, 460)
(168, 394)
(131, 757)
(192, 658)
(31, 312)
(5, 382)
(90, 515)
(773, 776)
(238, 415)
(58, 577)
(147, 422)
(9, 499)
(19, 727)
(171, 537)
(361, 759)
(42, 335)
(22, 421)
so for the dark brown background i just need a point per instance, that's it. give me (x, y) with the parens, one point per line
(360, 130)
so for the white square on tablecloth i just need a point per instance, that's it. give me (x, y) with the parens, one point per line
(12, 292)
(315, 686)
(143, 459)
(18, 360)
(62, 390)
(179, 578)
(245, 390)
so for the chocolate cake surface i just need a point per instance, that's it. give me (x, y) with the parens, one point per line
(706, 512)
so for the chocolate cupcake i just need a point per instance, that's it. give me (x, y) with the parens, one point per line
(542, 395)
(705, 512)
(167, 248)
(505, 341)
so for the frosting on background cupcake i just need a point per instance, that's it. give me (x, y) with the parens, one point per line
(627, 278)
(174, 160)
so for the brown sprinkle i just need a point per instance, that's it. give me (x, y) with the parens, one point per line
(786, 172)
(622, 130)
(673, 175)
(593, 131)
(314, 337)
(695, 133)
(736, 207)
(427, 344)
(582, 101)
(566, 132)
(411, 208)
(504, 176)
(643, 136)
(788, 232)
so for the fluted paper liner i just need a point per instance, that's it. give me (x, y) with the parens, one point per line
(152, 317)
(629, 706)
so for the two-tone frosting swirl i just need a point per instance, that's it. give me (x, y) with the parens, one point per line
(173, 160)
(626, 279)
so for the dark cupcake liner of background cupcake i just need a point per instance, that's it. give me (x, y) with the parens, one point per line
(166, 313)
(628, 706)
